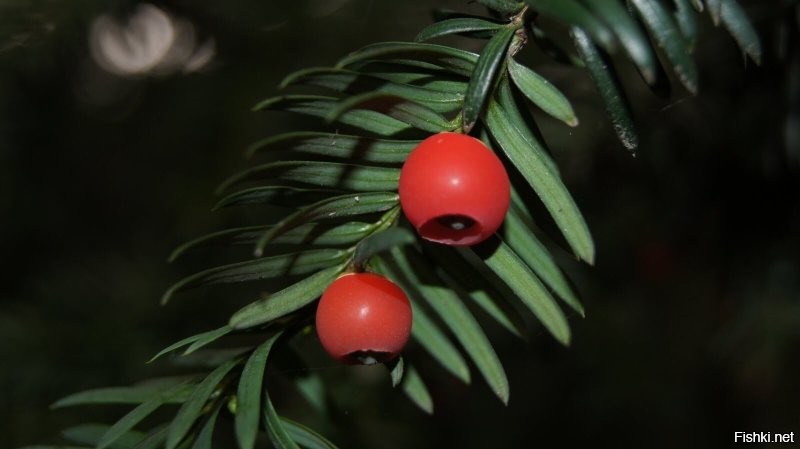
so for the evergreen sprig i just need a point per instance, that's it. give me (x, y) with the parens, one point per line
(341, 189)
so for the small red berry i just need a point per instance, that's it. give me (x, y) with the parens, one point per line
(363, 318)
(454, 190)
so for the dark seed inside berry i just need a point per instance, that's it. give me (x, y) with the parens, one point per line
(367, 357)
(456, 222)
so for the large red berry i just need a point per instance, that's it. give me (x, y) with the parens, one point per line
(363, 318)
(454, 190)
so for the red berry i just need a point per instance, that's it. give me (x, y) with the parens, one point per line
(454, 190)
(363, 318)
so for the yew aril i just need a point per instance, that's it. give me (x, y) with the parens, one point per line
(363, 318)
(454, 190)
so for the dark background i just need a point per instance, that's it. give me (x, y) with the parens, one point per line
(693, 307)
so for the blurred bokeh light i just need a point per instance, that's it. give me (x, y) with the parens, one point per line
(149, 42)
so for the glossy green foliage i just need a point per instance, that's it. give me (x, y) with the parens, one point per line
(608, 87)
(462, 25)
(484, 76)
(542, 93)
(338, 193)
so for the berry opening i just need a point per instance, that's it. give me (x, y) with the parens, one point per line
(456, 222)
(367, 357)
(452, 230)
